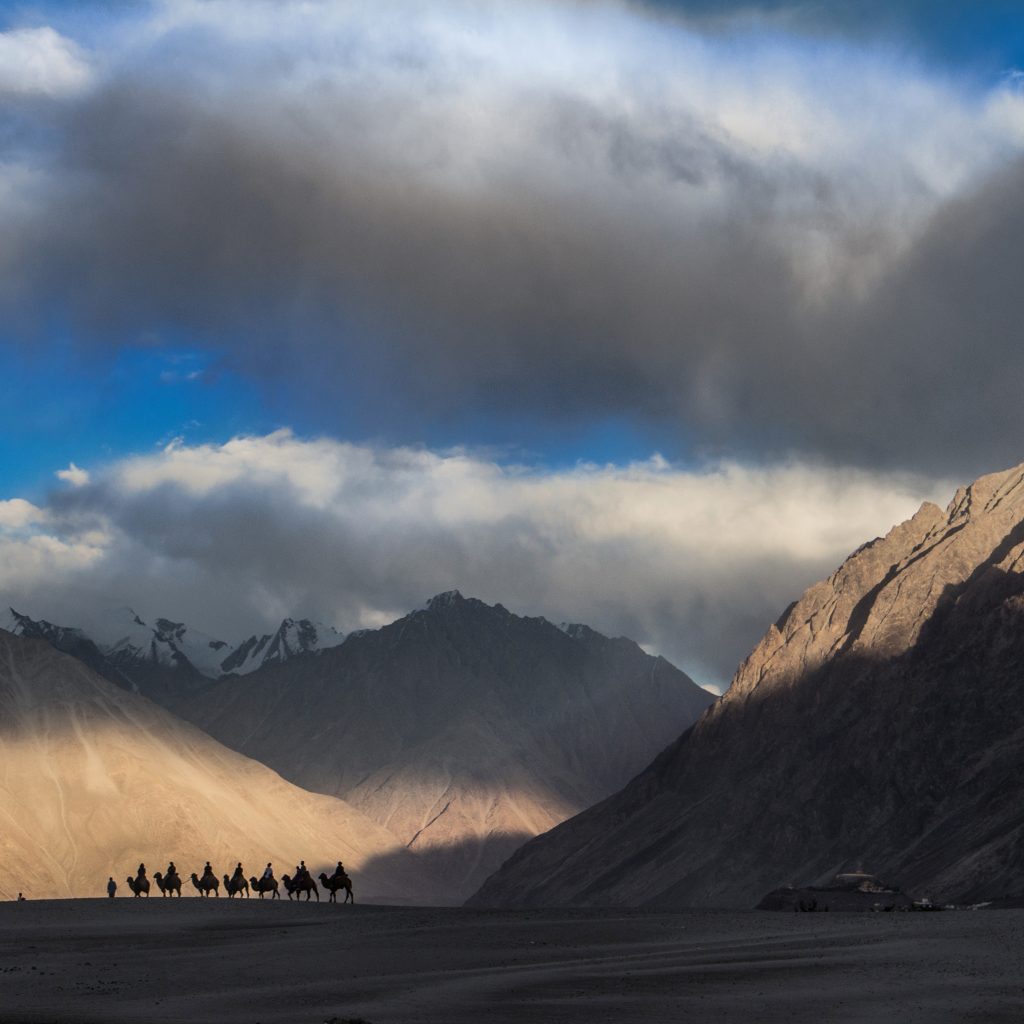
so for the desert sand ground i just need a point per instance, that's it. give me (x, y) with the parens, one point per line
(235, 961)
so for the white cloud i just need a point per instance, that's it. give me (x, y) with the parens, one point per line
(73, 475)
(694, 563)
(18, 513)
(40, 60)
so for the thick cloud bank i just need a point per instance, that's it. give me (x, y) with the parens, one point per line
(233, 537)
(557, 211)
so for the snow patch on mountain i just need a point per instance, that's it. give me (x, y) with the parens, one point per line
(125, 639)
(293, 637)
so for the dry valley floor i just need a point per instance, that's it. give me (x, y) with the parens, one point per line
(191, 960)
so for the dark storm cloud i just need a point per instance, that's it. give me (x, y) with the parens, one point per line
(415, 229)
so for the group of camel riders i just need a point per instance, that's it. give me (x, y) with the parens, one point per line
(302, 881)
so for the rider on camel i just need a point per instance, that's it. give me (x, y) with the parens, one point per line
(239, 873)
(268, 871)
(208, 871)
(172, 871)
(141, 873)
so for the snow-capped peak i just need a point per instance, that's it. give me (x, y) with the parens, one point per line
(293, 637)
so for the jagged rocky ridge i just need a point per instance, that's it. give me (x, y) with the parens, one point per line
(462, 728)
(879, 725)
(166, 659)
(96, 779)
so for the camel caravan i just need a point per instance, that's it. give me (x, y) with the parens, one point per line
(207, 884)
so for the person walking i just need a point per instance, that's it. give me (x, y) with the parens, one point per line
(111, 887)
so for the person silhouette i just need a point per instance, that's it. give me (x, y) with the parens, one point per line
(239, 873)
(111, 887)
(268, 871)
(172, 871)
(208, 871)
(339, 871)
(303, 870)
(21, 898)
(141, 873)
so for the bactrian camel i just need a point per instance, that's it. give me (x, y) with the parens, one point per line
(262, 885)
(336, 882)
(139, 885)
(306, 885)
(235, 885)
(206, 884)
(168, 886)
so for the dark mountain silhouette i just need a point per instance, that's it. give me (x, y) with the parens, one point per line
(461, 727)
(878, 726)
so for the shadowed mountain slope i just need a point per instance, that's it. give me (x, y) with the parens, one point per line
(879, 724)
(462, 728)
(96, 779)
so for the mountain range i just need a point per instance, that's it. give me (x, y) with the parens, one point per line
(877, 726)
(163, 657)
(458, 731)
(462, 728)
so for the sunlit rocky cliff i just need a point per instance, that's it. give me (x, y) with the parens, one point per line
(878, 724)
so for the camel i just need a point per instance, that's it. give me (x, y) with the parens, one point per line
(168, 886)
(205, 884)
(336, 882)
(139, 885)
(307, 886)
(236, 885)
(262, 885)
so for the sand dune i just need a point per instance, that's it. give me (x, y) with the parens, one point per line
(94, 780)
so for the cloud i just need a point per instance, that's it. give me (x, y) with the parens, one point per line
(17, 513)
(694, 563)
(562, 213)
(73, 475)
(40, 61)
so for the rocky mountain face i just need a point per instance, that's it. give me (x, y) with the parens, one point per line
(294, 637)
(877, 726)
(461, 728)
(168, 660)
(96, 779)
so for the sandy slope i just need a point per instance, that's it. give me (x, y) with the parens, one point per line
(197, 961)
(94, 779)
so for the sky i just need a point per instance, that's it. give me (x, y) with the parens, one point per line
(643, 315)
